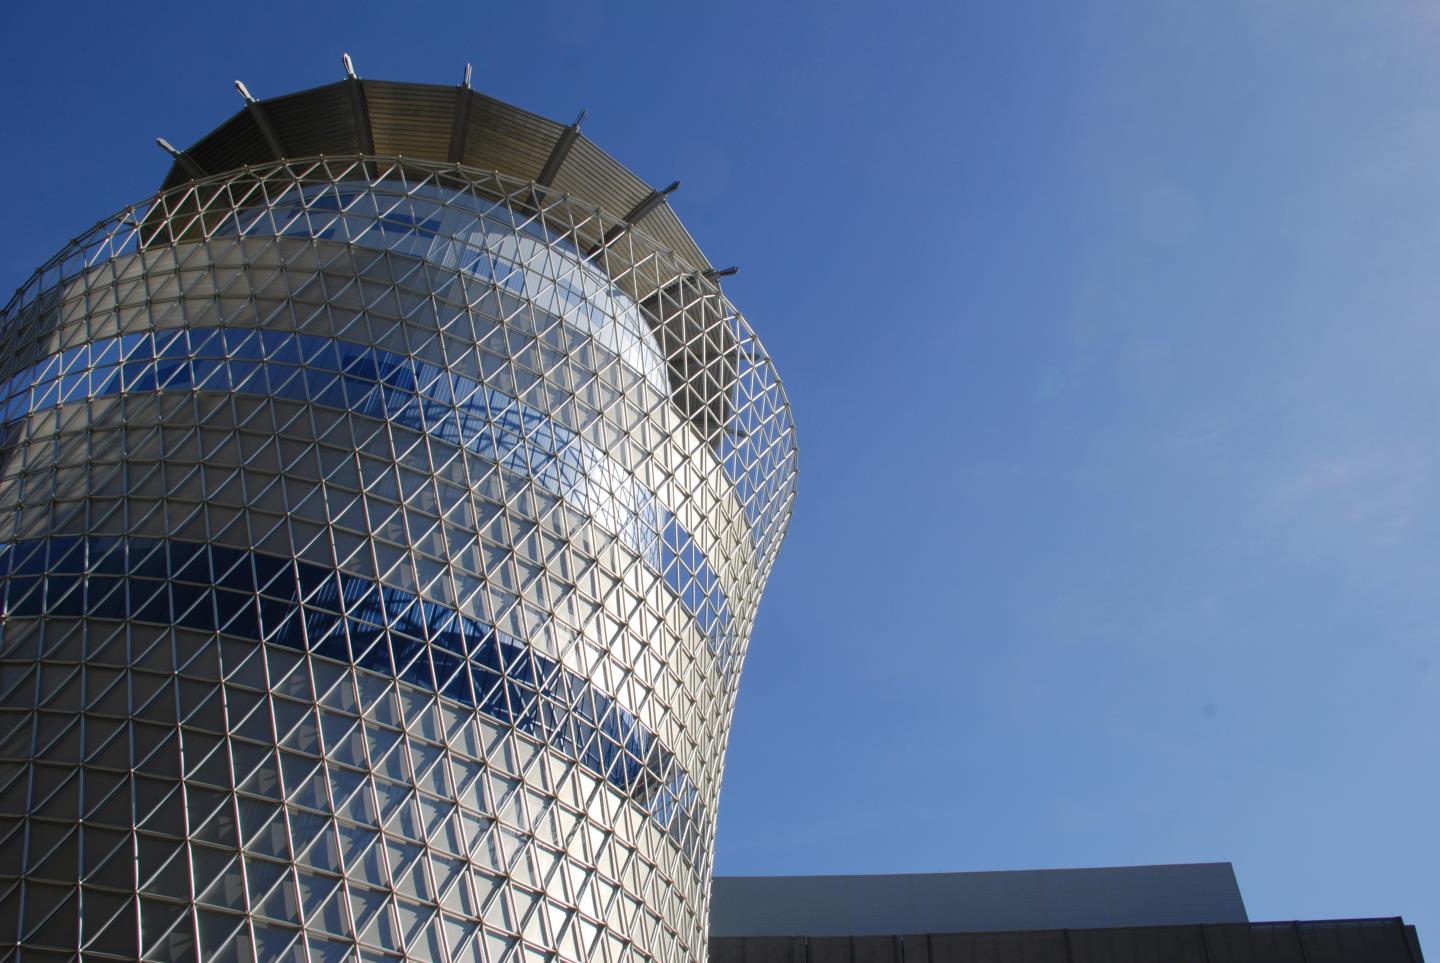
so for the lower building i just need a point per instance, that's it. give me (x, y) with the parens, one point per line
(1191, 913)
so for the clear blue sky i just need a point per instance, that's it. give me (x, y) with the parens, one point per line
(1113, 335)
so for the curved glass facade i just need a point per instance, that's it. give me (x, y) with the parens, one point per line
(376, 566)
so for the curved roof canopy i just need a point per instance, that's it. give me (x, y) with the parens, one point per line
(430, 122)
(455, 127)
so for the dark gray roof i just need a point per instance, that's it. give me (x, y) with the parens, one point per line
(1317, 941)
(432, 129)
(434, 123)
(975, 902)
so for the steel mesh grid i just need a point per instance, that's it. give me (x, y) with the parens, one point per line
(446, 389)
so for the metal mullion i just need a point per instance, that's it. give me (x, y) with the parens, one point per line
(193, 910)
(235, 807)
(334, 809)
(23, 889)
(80, 781)
(130, 786)
(284, 794)
(383, 852)
(329, 789)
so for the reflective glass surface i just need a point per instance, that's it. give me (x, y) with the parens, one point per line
(442, 404)
(378, 553)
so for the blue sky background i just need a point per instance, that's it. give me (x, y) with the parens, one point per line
(1111, 331)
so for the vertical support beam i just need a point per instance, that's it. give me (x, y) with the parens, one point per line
(637, 213)
(363, 138)
(556, 160)
(559, 152)
(650, 202)
(262, 120)
(461, 125)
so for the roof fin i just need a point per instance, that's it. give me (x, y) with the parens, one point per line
(558, 152)
(262, 120)
(651, 201)
(183, 159)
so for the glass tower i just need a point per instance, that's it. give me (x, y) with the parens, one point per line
(384, 508)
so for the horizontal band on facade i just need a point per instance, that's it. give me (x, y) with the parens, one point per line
(414, 394)
(369, 506)
(752, 433)
(394, 634)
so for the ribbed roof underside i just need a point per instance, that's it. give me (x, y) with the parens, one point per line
(434, 123)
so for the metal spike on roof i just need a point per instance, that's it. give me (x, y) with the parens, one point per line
(559, 152)
(651, 201)
(181, 158)
(446, 123)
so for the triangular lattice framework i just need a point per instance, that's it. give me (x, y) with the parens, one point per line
(379, 542)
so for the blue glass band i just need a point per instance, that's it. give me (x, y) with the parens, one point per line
(407, 392)
(300, 605)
